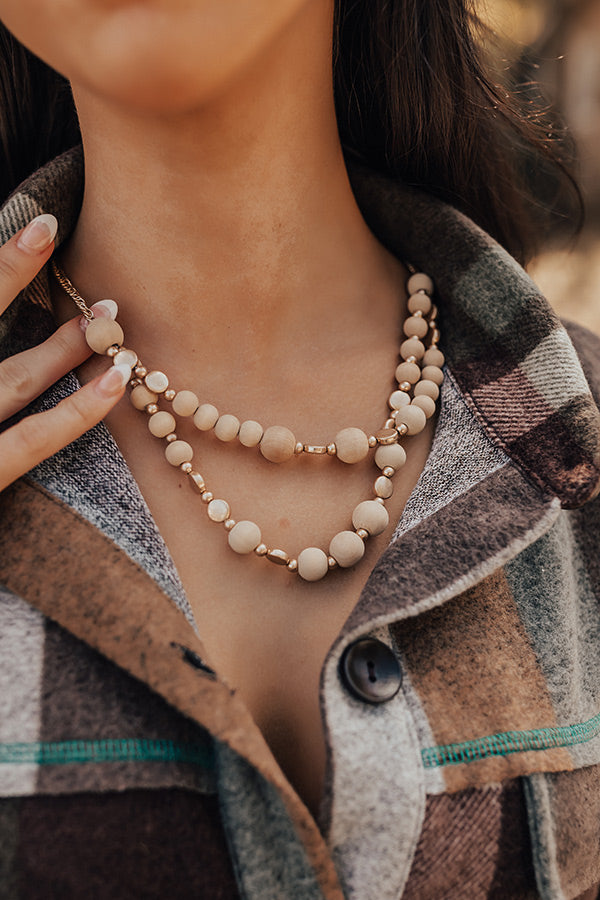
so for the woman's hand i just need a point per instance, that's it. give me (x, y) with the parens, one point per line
(26, 375)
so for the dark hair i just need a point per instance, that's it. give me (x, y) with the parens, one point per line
(414, 99)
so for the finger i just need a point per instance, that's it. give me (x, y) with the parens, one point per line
(39, 436)
(23, 256)
(26, 375)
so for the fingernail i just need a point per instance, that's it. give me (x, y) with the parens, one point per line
(102, 309)
(39, 234)
(114, 380)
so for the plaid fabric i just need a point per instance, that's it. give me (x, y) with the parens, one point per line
(488, 593)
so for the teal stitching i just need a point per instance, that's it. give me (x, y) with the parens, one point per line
(507, 742)
(57, 753)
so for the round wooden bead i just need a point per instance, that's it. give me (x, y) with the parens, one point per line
(413, 417)
(156, 381)
(427, 404)
(419, 282)
(125, 357)
(412, 347)
(277, 444)
(179, 452)
(251, 433)
(161, 424)
(383, 487)
(419, 303)
(312, 564)
(244, 537)
(393, 455)
(227, 427)
(398, 399)
(205, 417)
(427, 388)
(352, 445)
(372, 516)
(218, 510)
(433, 373)
(415, 326)
(408, 372)
(347, 548)
(185, 403)
(102, 334)
(140, 396)
(434, 357)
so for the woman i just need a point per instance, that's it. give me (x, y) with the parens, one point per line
(421, 723)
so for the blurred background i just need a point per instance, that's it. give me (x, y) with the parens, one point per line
(557, 43)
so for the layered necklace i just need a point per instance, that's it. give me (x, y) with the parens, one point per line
(418, 375)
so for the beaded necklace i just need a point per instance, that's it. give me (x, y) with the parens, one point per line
(419, 376)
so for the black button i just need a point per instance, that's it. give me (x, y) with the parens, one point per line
(371, 671)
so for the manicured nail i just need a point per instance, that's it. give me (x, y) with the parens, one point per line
(102, 309)
(39, 234)
(114, 380)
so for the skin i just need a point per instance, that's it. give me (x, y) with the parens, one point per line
(218, 212)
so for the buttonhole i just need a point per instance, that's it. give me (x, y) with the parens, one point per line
(371, 668)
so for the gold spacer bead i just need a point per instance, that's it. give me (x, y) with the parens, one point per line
(379, 500)
(261, 550)
(197, 482)
(186, 467)
(169, 395)
(402, 429)
(151, 408)
(331, 449)
(134, 382)
(435, 337)
(387, 436)
(362, 533)
(315, 449)
(418, 314)
(293, 565)
(372, 441)
(388, 471)
(299, 448)
(207, 496)
(411, 359)
(405, 386)
(171, 437)
(141, 371)
(112, 351)
(331, 562)
(228, 524)
(389, 423)
(279, 557)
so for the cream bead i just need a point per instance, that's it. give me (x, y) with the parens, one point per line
(383, 487)
(218, 510)
(412, 347)
(161, 424)
(413, 417)
(312, 564)
(352, 445)
(372, 516)
(205, 417)
(419, 282)
(398, 399)
(347, 548)
(433, 373)
(434, 357)
(408, 372)
(227, 427)
(415, 326)
(244, 537)
(185, 403)
(156, 381)
(393, 455)
(125, 358)
(141, 397)
(419, 303)
(427, 388)
(251, 433)
(427, 404)
(277, 444)
(102, 334)
(179, 452)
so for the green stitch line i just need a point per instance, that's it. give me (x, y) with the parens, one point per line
(57, 753)
(508, 742)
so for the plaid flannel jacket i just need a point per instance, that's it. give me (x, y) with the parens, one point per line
(128, 769)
